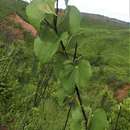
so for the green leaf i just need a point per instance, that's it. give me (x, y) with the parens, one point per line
(47, 34)
(61, 95)
(58, 64)
(99, 120)
(82, 73)
(71, 75)
(72, 19)
(37, 9)
(67, 78)
(64, 73)
(64, 37)
(76, 120)
(76, 114)
(44, 50)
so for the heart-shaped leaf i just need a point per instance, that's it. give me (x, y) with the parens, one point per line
(72, 19)
(76, 121)
(83, 73)
(67, 78)
(44, 50)
(71, 75)
(37, 9)
(99, 120)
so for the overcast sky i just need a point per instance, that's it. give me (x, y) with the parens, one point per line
(112, 8)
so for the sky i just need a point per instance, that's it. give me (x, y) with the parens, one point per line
(118, 9)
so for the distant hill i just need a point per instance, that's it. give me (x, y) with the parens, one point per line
(16, 9)
(100, 21)
(88, 20)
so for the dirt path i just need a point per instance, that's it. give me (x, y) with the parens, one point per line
(29, 28)
(122, 93)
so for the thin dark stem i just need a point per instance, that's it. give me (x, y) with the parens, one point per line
(55, 17)
(76, 88)
(48, 24)
(78, 93)
(63, 47)
(57, 6)
(67, 118)
(75, 52)
(117, 120)
(56, 30)
(81, 105)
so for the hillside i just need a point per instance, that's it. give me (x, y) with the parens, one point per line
(99, 21)
(106, 33)
(29, 99)
(106, 36)
(87, 20)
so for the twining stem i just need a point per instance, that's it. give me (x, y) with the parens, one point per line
(63, 47)
(48, 24)
(117, 120)
(55, 17)
(78, 93)
(75, 53)
(56, 30)
(76, 88)
(57, 8)
(81, 105)
(67, 118)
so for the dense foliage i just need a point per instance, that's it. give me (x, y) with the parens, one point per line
(63, 83)
(12, 6)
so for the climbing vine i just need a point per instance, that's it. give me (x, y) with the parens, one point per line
(57, 49)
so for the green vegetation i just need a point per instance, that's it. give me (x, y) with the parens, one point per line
(67, 79)
(102, 22)
(11, 6)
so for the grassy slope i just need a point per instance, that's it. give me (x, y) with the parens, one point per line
(106, 40)
(108, 52)
(106, 45)
(102, 22)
